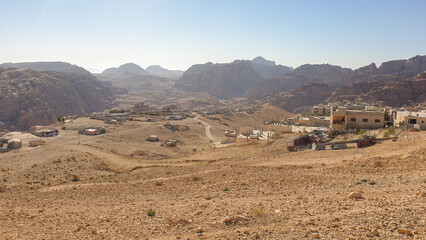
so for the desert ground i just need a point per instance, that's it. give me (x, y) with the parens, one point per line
(120, 186)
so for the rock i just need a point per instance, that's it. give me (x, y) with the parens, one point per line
(315, 235)
(198, 230)
(36, 143)
(375, 232)
(405, 231)
(207, 197)
(233, 219)
(355, 195)
(3, 188)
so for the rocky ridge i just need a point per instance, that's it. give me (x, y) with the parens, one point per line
(29, 97)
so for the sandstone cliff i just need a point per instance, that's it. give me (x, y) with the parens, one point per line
(29, 97)
(229, 80)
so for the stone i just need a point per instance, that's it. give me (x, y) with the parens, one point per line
(315, 235)
(355, 195)
(405, 231)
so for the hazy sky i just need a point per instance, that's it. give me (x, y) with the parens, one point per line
(177, 34)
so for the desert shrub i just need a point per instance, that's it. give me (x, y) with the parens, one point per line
(377, 163)
(258, 211)
(391, 130)
(386, 134)
(150, 212)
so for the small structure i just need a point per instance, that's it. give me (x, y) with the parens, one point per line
(408, 119)
(11, 144)
(233, 134)
(172, 143)
(153, 138)
(51, 132)
(335, 146)
(318, 146)
(175, 117)
(92, 131)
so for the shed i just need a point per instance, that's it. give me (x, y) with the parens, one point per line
(153, 138)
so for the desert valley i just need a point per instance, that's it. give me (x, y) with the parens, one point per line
(242, 150)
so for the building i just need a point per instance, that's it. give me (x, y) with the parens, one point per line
(343, 119)
(321, 110)
(319, 121)
(408, 119)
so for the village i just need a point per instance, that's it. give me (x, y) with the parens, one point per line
(239, 172)
(324, 127)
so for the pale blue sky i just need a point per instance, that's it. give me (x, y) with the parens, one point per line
(177, 34)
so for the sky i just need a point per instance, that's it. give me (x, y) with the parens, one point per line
(98, 34)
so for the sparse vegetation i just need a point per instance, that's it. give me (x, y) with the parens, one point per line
(258, 211)
(150, 212)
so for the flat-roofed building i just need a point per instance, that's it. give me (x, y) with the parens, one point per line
(409, 119)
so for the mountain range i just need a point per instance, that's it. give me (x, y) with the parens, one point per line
(134, 69)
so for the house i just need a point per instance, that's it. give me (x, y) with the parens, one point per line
(46, 132)
(409, 119)
(153, 138)
(343, 119)
(304, 121)
(321, 109)
(7, 145)
(319, 121)
(92, 131)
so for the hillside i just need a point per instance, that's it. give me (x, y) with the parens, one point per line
(29, 97)
(395, 93)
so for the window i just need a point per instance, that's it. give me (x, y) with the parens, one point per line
(412, 121)
(353, 119)
(343, 119)
(377, 120)
(364, 120)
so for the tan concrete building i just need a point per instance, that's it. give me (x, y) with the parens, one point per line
(321, 109)
(343, 119)
(408, 119)
(319, 121)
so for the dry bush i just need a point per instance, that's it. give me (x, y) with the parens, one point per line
(258, 211)
(377, 163)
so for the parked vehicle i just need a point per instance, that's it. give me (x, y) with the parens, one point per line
(335, 146)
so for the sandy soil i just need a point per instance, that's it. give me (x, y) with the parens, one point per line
(102, 187)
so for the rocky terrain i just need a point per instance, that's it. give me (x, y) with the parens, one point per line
(120, 186)
(29, 97)
(229, 80)
(49, 66)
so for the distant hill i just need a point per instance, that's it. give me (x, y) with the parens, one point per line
(126, 69)
(228, 80)
(48, 66)
(162, 72)
(29, 97)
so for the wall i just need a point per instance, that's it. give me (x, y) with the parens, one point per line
(371, 118)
